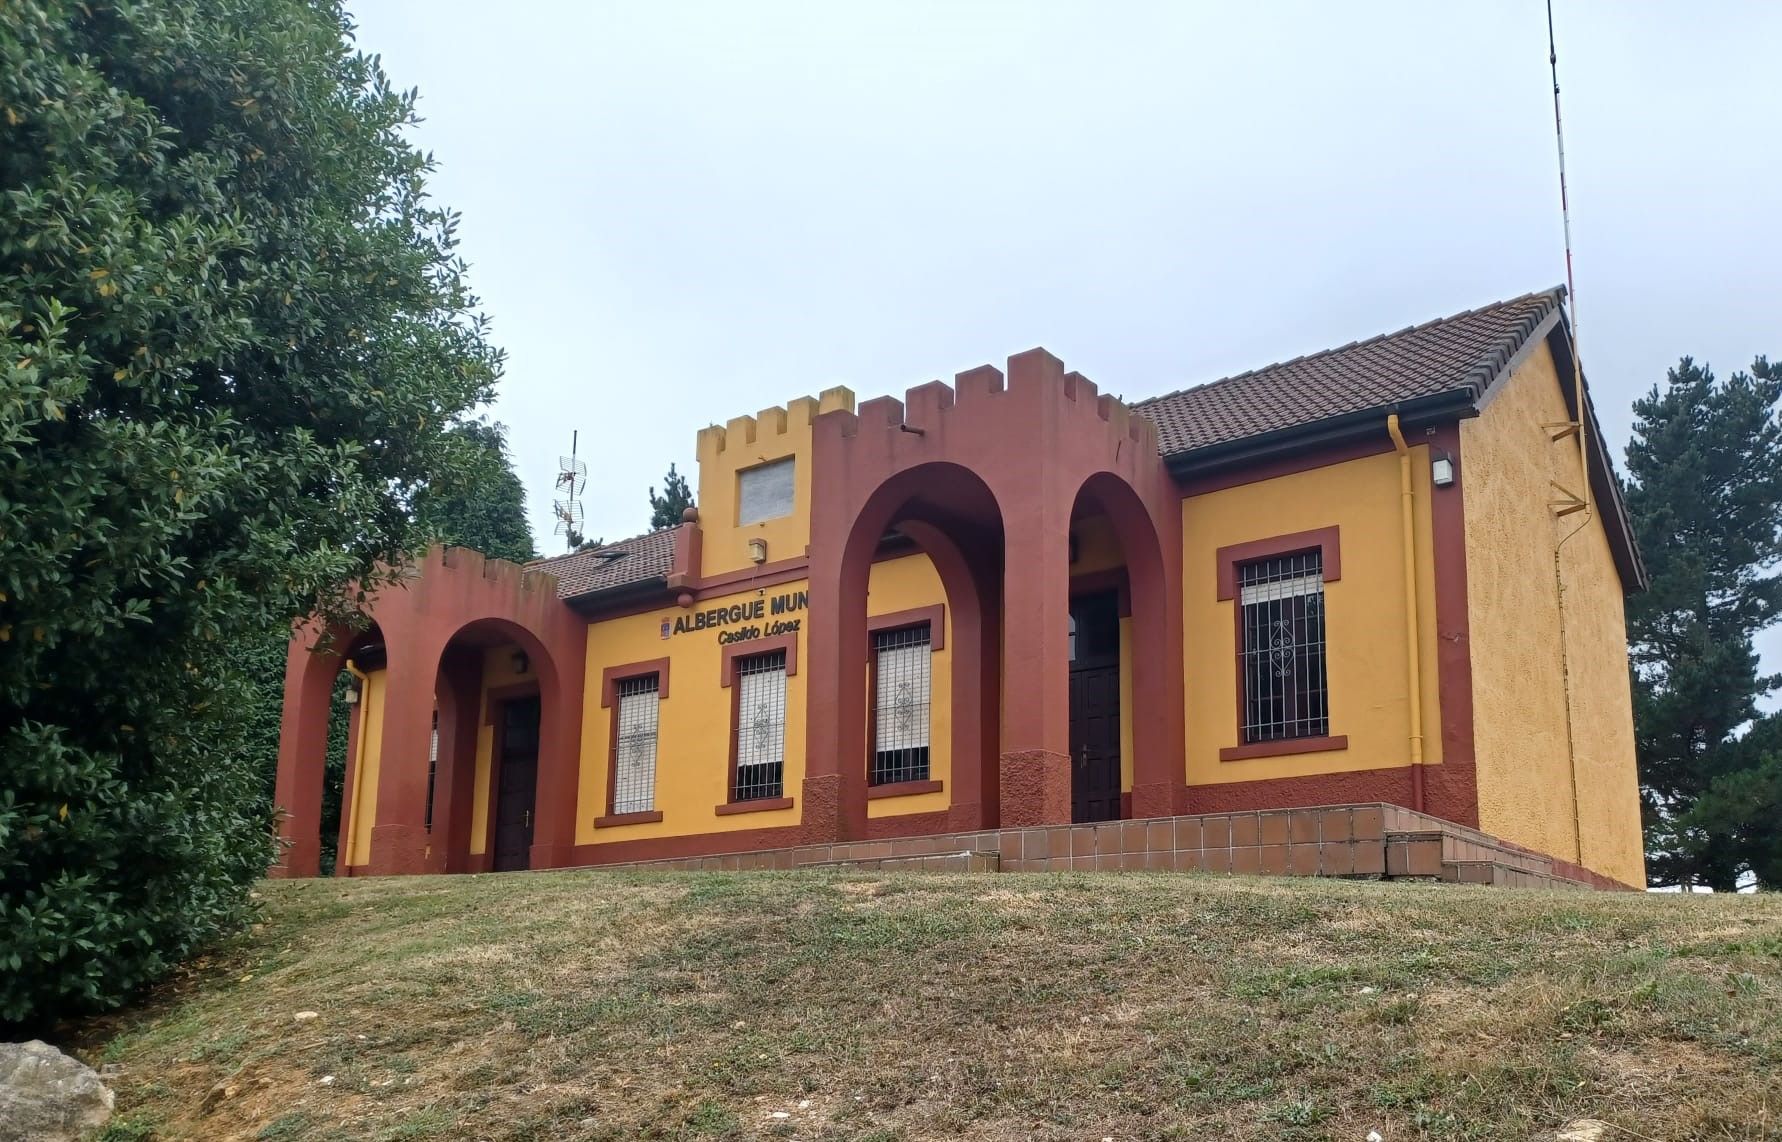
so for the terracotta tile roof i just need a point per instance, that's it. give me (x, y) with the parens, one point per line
(1429, 360)
(628, 562)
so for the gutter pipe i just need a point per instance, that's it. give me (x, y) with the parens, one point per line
(1413, 667)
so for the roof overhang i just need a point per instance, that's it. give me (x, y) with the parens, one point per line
(1441, 408)
(1462, 402)
(623, 595)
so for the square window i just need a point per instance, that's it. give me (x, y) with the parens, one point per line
(764, 492)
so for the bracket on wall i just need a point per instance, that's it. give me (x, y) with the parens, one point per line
(1569, 504)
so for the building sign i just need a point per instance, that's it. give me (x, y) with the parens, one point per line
(739, 622)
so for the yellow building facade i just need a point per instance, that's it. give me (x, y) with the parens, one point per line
(1388, 574)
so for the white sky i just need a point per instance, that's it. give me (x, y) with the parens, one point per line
(677, 213)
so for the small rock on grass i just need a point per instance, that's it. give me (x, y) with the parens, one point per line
(46, 1096)
(1583, 1130)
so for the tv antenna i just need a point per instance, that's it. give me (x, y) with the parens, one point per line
(572, 481)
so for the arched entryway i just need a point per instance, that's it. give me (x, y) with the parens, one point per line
(1001, 469)
(500, 701)
(952, 516)
(471, 640)
(318, 656)
(1125, 658)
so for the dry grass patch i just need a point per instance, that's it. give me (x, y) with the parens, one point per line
(818, 1006)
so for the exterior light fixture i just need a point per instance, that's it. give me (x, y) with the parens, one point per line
(758, 551)
(351, 697)
(521, 662)
(1441, 471)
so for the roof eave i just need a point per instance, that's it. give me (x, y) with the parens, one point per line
(1605, 489)
(606, 598)
(1455, 404)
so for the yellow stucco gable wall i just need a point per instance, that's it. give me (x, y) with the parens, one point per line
(1525, 777)
(1364, 616)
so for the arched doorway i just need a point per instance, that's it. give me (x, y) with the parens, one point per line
(1030, 447)
(312, 794)
(952, 516)
(1125, 659)
(500, 733)
(454, 622)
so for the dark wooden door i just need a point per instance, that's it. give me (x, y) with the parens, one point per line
(1095, 707)
(517, 786)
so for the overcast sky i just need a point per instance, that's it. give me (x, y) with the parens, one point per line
(679, 213)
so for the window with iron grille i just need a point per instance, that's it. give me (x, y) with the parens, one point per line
(760, 727)
(901, 660)
(634, 745)
(1286, 687)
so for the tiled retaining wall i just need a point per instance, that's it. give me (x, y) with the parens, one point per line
(1371, 841)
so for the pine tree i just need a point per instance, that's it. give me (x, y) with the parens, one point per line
(1705, 464)
(676, 498)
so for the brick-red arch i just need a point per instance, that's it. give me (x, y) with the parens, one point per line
(1032, 445)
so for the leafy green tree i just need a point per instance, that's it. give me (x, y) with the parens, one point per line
(233, 330)
(480, 503)
(1705, 464)
(676, 497)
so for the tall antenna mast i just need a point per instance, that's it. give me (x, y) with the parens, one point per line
(1577, 426)
(572, 480)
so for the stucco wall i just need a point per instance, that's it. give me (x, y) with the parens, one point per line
(747, 442)
(693, 731)
(360, 796)
(1525, 778)
(1364, 616)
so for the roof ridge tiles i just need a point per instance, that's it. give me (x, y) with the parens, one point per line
(1356, 344)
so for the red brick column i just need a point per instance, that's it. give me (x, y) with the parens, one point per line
(303, 749)
(1035, 760)
(399, 840)
(559, 758)
(454, 786)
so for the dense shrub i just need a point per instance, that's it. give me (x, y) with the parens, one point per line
(233, 333)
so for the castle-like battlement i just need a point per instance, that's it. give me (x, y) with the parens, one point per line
(770, 424)
(1034, 378)
(468, 561)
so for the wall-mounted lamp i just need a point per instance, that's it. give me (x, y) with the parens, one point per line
(351, 697)
(1441, 471)
(758, 551)
(520, 661)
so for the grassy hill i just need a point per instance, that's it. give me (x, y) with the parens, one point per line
(580, 1005)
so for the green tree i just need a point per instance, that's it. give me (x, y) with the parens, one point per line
(1705, 495)
(480, 503)
(676, 497)
(233, 329)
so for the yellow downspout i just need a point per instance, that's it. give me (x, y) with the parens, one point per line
(1413, 668)
(352, 832)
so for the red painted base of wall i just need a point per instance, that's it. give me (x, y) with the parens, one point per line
(1446, 792)
(1035, 787)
